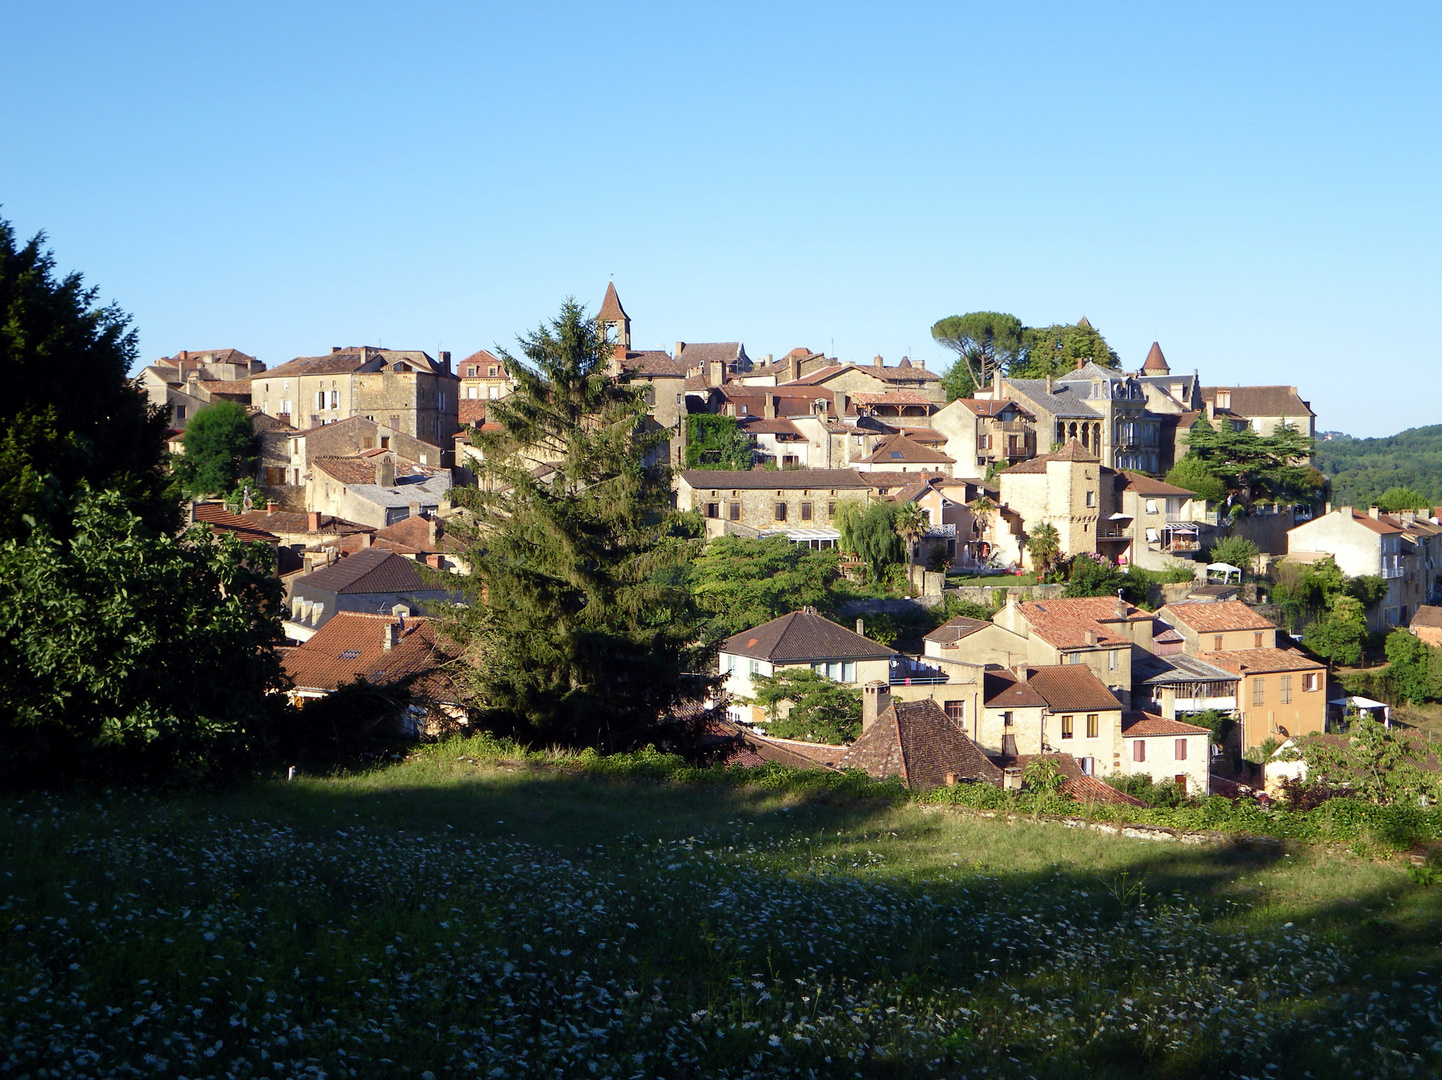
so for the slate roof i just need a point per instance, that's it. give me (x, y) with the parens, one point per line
(370, 571)
(954, 630)
(349, 646)
(804, 635)
(917, 742)
(899, 448)
(1137, 724)
(1216, 616)
(778, 479)
(1059, 401)
(993, 407)
(1252, 401)
(1262, 661)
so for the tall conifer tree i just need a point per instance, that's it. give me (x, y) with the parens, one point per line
(580, 628)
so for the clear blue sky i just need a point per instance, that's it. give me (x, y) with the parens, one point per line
(1254, 185)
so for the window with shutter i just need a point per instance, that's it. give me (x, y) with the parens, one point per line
(1181, 749)
(1139, 750)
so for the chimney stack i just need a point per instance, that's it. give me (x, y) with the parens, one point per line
(861, 626)
(1023, 673)
(793, 368)
(877, 362)
(414, 509)
(385, 471)
(1374, 512)
(769, 409)
(390, 635)
(335, 348)
(271, 506)
(312, 521)
(875, 700)
(445, 360)
(715, 372)
(679, 346)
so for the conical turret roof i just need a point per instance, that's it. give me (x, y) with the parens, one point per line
(1156, 362)
(611, 309)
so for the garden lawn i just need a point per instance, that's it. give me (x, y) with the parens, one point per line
(460, 914)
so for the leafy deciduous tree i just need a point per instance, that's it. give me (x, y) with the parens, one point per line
(220, 449)
(1338, 635)
(1234, 551)
(131, 655)
(821, 710)
(1093, 575)
(1055, 350)
(741, 582)
(869, 532)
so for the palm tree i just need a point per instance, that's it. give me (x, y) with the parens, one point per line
(911, 525)
(1045, 546)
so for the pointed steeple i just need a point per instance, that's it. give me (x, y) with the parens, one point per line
(1156, 363)
(1083, 324)
(615, 317)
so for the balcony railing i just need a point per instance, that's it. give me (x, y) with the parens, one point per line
(1391, 571)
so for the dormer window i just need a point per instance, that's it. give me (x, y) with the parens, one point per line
(1224, 399)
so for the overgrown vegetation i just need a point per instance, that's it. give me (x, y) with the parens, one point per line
(220, 450)
(716, 442)
(818, 709)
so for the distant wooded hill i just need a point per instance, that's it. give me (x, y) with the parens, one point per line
(1362, 469)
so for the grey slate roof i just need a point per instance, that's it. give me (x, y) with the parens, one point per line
(1150, 670)
(804, 635)
(1061, 401)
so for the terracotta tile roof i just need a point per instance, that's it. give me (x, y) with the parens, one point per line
(372, 571)
(206, 356)
(893, 397)
(888, 479)
(287, 521)
(471, 411)
(925, 436)
(611, 306)
(336, 363)
(898, 448)
(1252, 401)
(1072, 688)
(1065, 623)
(349, 647)
(218, 517)
(760, 425)
(416, 533)
(884, 374)
(1427, 615)
(1001, 689)
(1146, 485)
(1264, 661)
(1075, 783)
(954, 630)
(778, 479)
(698, 353)
(1155, 361)
(485, 356)
(1166, 635)
(1137, 724)
(699, 381)
(230, 387)
(348, 470)
(803, 635)
(917, 742)
(1380, 525)
(993, 406)
(1215, 616)
(653, 363)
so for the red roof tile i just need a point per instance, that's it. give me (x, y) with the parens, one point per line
(349, 647)
(1215, 616)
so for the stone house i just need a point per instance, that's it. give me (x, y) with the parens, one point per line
(357, 435)
(976, 641)
(899, 453)
(1263, 408)
(1177, 684)
(483, 377)
(875, 378)
(376, 488)
(1153, 524)
(1427, 625)
(982, 433)
(1402, 549)
(1165, 750)
(1280, 692)
(1098, 632)
(915, 741)
(755, 501)
(404, 390)
(1063, 489)
(777, 441)
(802, 639)
(1057, 708)
(1219, 626)
(370, 581)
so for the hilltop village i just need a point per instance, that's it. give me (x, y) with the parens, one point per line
(361, 451)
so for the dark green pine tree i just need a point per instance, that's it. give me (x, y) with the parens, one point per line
(69, 414)
(580, 628)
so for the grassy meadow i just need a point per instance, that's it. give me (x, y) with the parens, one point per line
(462, 913)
